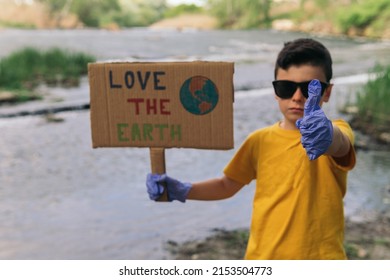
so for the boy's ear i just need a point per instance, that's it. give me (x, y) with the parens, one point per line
(327, 93)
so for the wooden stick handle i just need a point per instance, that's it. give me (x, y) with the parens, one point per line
(157, 161)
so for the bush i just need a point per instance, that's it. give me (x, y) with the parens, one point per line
(26, 68)
(183, 9)
(17, 68)
(362, 14)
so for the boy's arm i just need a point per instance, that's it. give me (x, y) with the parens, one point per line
(340, 144)
(214, 189)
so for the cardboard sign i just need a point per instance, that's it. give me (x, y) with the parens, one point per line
(169, 104)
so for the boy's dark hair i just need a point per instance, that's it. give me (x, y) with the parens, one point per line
(305, 51)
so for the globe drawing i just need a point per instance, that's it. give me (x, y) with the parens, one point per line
(199, 95)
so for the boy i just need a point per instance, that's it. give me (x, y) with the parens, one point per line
(300, 165)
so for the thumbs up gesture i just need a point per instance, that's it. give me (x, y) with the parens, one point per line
(316, 129)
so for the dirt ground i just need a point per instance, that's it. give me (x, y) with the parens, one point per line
(363, 241)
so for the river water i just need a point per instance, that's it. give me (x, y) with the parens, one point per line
(61, 199)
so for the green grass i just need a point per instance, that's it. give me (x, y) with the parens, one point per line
(22, 71)
(374, 101)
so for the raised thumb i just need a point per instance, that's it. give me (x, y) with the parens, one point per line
(313, 101)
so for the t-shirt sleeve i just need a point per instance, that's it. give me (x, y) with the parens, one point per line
(347, 130)
(242, 167)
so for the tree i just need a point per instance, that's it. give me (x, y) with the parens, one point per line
(149, 11)
(98, 13)
(88, 12)
(241, 14)
(91, 12)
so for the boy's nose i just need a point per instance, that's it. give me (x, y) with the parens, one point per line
(298, 96)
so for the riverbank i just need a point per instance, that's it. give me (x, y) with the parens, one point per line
(363, 241)
(334, 18)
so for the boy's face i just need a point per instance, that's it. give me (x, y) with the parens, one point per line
(292, 108)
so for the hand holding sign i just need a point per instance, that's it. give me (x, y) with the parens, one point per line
(156, 185)
(316, 129)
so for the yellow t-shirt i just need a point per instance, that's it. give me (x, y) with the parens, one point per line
(298, 204)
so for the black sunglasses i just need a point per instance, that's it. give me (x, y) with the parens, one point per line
(286, 89)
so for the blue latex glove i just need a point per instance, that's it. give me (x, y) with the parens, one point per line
(316, 129)
(176, 189)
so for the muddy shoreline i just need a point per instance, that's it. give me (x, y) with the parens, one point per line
(363, 241)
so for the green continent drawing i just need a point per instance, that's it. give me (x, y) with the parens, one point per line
(199, 95)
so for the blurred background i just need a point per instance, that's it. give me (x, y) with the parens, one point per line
(61, 199)
(349, 17)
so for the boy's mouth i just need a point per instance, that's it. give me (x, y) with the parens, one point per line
(296, 110)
